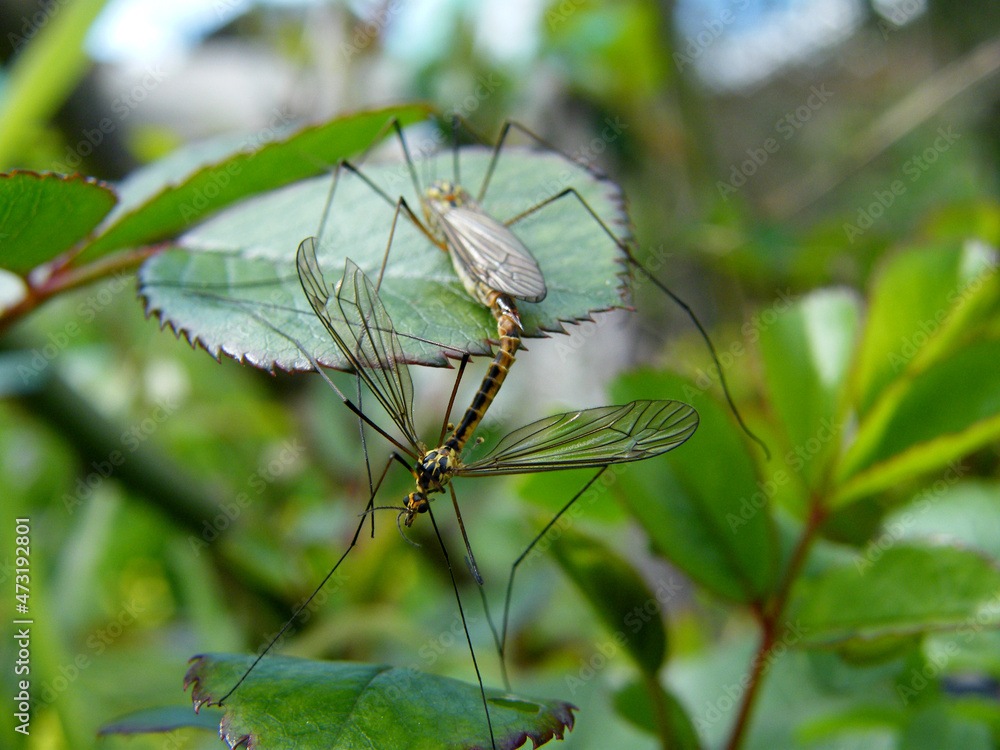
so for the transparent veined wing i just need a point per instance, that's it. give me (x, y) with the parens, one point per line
(491, 253)
(590, 438)
(362, 330)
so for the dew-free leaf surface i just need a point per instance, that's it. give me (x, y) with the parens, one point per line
(303, 704)
(231, 283)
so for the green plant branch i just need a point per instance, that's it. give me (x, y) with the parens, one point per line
(770, 616)
(659, 706)
(63, 279)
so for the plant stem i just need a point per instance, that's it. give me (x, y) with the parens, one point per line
(772, 627)
(64, 280)
(659, 706)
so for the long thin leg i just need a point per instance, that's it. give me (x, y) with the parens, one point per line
(454, 393)
(308, 601)
(465, 626)
(680, 303)
(501, 639)
(473, 568)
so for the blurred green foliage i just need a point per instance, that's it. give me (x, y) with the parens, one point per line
(841, 249)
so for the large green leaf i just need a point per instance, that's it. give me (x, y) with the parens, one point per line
(896, 593)
(302, 704)
(43, 215)
(965, 513)
(233, 281)
(704, 508)
(942, 414)
(198, 180)
(807, 352)
(622, 599)
(921, 300)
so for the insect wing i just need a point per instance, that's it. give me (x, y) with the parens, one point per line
(590, 438)
(491, 253)
(362, 330)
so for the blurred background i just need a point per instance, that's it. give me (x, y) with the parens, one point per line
(757, 142)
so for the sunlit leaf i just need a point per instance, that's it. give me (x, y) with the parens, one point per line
(44, 215)
(914, 434)
(196, 181)
(920, 301)
(807, 352)
(233, 282)
(897, 593)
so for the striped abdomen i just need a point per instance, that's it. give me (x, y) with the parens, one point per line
(508, 327)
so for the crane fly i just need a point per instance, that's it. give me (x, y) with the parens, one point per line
(493, 264)
(359, 325)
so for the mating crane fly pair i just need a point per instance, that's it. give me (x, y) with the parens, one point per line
(496, 269)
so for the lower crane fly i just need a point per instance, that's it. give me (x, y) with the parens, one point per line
(359, 325)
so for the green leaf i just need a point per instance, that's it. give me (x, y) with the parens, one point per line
(921, 300)
(164, 719)
(901, 592)
(619, 596)
(705, 510)
(635, 702)
(297, 703)
(937, 727)
(916, 434)
(234, 282)
(807, 352)
(196, 181)
(963, 513)
(44, 215)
